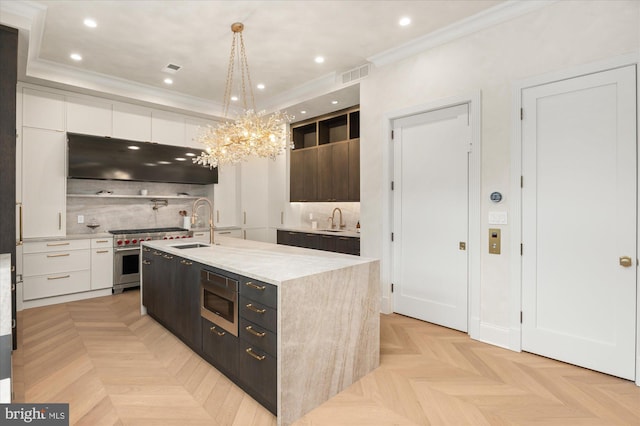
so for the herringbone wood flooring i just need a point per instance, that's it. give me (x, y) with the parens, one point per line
(116, 367)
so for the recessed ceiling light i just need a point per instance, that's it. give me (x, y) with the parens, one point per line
(181, 159)
(133, 147)
(334, 102)
(319, 59)
(190, 154)
(404, 21)
(75, 56)
(260, 86)
(168, 81)
(303, 112)
(234, 98)
(91, 23)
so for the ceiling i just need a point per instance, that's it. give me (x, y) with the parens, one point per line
(126, 54)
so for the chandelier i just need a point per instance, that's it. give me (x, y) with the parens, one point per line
(250, 133)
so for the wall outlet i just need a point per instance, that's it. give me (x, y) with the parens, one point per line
(310, 216)
(80, 218)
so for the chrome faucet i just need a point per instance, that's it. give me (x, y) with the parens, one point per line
(332, 218)
(194, 215)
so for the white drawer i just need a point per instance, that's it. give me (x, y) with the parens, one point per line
(101, 242)
(101, 268)
(56, 284)
(55, 245)
(55, 262)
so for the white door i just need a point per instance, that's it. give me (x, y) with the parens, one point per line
(579, 221)
(431, 208)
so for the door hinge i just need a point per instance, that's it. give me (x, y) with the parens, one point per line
(521, 249)
(392, 135)
(520, 317)
(521, 114)
(521, 181)
(392, 236)
(391, 287)
(392, 185)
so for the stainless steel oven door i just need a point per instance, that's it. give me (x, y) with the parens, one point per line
(126, 268)
(219, 301)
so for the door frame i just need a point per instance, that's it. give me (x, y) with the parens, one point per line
(515, 274)
(474, 100)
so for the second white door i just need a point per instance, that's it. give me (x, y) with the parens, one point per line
(431, 179)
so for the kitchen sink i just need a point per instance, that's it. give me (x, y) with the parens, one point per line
(332, 230)
(190, 246)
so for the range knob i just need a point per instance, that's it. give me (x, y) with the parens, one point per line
(126, 241)
(119, 242)
(148, 238)
(134, 241)
(164, 238)
(171, 238)
(184, 236)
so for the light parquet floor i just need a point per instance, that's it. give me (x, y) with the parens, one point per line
(116, 367)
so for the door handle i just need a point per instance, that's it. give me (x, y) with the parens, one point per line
(625, 261)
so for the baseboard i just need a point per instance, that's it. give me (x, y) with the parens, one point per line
(65, 298)
(493, 335)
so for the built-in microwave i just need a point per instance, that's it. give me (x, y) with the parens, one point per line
(219, 300)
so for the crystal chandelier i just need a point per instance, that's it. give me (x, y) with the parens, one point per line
(251, 133)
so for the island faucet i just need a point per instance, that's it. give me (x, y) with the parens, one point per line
(194, 215)
(332, 218)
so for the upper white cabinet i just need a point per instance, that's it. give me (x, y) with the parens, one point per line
(131, 122)
(254, 178)
(43, 110)
(225, 196)
(193, 128)
(43, 183)
(89, 116)
(167, 128)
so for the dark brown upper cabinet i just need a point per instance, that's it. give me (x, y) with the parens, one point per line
(325, 160)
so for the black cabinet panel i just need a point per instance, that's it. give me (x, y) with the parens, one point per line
(258, 313)
(258, 291)
(258, 336)
(220, 347)
(334, 243)
(257, 370)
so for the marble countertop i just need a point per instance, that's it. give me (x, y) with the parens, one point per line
(340, 233)
(271, 263)
(70, 237)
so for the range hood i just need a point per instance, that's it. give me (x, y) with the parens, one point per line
(96, 157)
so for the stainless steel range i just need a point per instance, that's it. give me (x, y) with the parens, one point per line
(126, 252)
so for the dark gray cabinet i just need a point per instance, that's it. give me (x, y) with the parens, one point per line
(257, 368)
(220, 348)
(325, 161)
(334, 243)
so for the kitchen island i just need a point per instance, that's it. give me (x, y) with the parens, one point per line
(325, 326)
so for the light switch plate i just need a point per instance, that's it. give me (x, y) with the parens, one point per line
(80, 218)
(497, 218)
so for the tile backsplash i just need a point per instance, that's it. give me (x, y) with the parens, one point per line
(112, 212)
(321, 212)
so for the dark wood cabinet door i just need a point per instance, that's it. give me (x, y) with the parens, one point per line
(257, 371)
(354, 170)
(148, 280)
(220, 347)
(289, 238)
(304, 175)
(333, 172)
(187, 300)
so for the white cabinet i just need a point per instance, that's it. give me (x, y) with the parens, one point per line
(101, 263)
(43, 110)
(254, 193)
(54, 268)
(234, 233)
(167, 128)
(256, 234)
(43, 183)
(89, 116)
(131, 122)
(193, 129)
(277, 194)
(225, 197)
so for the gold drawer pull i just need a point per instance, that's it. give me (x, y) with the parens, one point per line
(255, 355)
(186, 262)
(255, 286)
(58, 278)
(255, 333)
(57, 244)
(102, 241)
(166, 256)
(215, 330)
(626, 261)
(146, 262)
(157, 253)
(256, 310)
(102, 251)
(146, 249)
(58, 255)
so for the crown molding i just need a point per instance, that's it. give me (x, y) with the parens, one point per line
(486, 19)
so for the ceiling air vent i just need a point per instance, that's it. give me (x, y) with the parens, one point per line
(171, 68)
(355, 74)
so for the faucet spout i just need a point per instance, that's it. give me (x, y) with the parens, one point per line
(341, 224)
(196, 204)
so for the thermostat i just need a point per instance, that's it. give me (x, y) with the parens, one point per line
(496, 197)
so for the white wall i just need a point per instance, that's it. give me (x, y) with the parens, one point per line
(559, 36)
